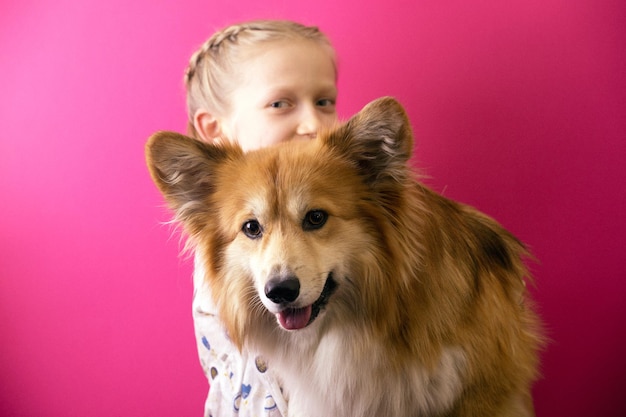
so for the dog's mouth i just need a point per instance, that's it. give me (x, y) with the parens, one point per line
(299, 318)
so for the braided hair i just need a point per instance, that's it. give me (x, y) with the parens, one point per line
(209, 76)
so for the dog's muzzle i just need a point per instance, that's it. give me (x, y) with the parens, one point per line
(286, 291)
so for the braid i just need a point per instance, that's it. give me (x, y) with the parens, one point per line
(195, 60)
(212, 45)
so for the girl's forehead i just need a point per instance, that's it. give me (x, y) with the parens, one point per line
(284, 67)
(287, 54)
(286, 44)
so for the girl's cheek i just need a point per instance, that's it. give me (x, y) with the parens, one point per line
(330, 120)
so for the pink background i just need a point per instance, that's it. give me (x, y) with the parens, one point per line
(519, 108)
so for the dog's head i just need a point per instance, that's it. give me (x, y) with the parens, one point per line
(284, 230)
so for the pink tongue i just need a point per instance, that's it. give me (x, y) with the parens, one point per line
(294, 318)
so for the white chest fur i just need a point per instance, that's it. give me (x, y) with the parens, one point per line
(348, 376)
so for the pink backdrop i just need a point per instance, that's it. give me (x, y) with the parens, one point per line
(519, 108)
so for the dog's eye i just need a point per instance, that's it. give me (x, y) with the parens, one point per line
(314, 219)
(252, 229)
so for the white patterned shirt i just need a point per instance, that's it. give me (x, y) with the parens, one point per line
(241, 384)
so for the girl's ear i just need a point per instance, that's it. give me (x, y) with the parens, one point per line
(206, 126)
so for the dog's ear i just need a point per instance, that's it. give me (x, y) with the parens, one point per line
(183, 170)
(378, 139)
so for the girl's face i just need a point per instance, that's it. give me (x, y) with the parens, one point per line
(284, 90)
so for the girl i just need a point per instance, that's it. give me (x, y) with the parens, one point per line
(257, 83)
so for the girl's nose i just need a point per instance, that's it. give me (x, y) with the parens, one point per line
(309, 123)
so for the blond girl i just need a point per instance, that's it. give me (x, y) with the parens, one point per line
(257, 83)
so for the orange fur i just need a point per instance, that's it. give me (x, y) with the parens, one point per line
(430, 314)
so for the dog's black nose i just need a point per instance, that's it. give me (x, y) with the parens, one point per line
(281, 290)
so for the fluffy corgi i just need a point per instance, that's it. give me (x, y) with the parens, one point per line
(368, 293)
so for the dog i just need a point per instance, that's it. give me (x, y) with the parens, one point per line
(369, 293)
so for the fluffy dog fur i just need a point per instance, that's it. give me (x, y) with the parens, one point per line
(370, 294)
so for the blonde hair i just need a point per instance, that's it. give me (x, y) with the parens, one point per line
(209, 76)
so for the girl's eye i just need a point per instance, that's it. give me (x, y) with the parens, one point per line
(252, 229)
(314, 219)
(279, 104)
(326, 102)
